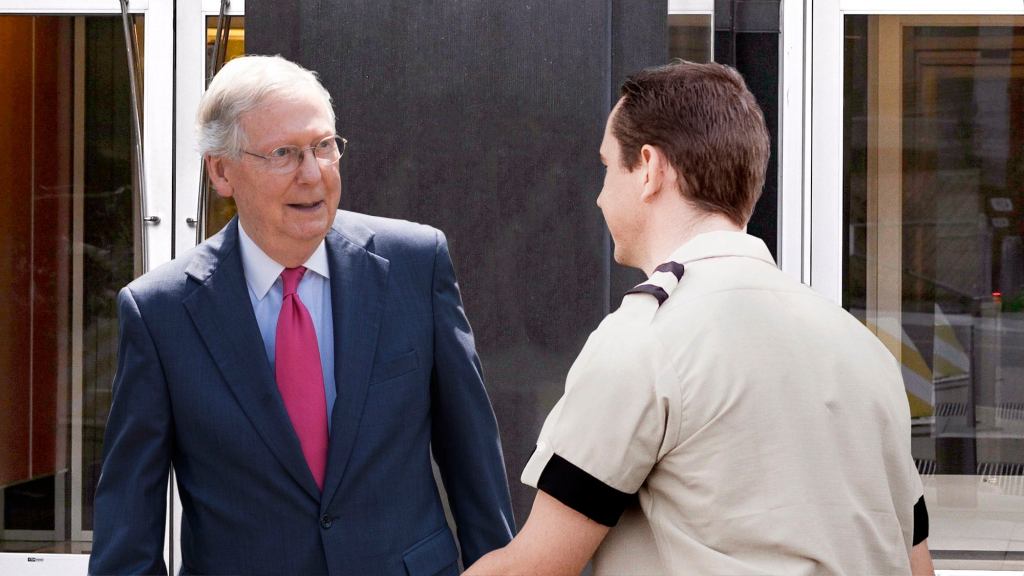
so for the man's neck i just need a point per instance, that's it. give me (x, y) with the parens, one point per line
(665, 240)
(289, 255)
(292, 258)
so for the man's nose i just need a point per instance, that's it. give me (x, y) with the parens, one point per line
(309, 167)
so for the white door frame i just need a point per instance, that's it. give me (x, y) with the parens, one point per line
(794, 157)
(691, 6)
(824, 156)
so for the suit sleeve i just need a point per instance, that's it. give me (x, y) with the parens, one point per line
(131, 497)
(465, 439)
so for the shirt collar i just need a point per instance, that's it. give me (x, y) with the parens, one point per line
(261, 271)
(722, 243)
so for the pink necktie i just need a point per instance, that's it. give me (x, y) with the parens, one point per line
(300, 376)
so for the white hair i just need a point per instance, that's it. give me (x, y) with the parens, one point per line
(241, 86)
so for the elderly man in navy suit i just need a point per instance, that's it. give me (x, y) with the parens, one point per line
(298, 370)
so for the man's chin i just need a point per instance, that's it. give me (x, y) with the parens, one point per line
(311, 231)
(622, 258)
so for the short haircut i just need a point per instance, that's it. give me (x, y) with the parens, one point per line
(708, 124)
(241, 86)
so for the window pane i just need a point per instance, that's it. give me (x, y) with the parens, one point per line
(66, 208)
(934, 258)
(689, 37)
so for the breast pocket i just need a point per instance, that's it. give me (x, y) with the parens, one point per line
(392, 368)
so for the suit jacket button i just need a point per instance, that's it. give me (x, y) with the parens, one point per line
(326, 522)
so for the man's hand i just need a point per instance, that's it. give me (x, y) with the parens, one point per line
(556, 541)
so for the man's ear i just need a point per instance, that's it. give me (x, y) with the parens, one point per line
(657, 172)
(217, 171)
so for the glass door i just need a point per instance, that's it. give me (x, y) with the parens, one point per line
(70, 208)
(918, 230)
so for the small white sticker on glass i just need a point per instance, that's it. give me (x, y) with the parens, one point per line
(1001, 204)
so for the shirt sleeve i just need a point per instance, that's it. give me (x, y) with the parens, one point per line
(608, 430)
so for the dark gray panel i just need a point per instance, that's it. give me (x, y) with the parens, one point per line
(483, 119)
(639, 38)
(277, 28)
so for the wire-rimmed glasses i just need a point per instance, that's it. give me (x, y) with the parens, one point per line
(286, 159)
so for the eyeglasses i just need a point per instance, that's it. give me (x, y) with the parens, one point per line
(286, 159)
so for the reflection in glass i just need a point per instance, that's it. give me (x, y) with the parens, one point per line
(689, 37)
(934, 259)
(220, 210)
(68, 245)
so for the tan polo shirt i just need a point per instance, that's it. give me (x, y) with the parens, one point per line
(763, 429)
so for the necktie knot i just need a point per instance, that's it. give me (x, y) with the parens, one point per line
(291, 277)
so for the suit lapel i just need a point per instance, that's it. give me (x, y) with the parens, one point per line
(223, 315)
(358, 286)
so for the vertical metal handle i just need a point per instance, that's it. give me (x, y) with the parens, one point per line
(134, 74)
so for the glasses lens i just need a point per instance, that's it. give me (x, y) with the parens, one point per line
(330, 149)
(284, 159)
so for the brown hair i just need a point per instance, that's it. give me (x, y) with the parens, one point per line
(708, 125)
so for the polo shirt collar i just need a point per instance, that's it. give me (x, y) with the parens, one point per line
(722, 243)
(261, 271)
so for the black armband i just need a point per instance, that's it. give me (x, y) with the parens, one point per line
(920, 521)
(580, 491)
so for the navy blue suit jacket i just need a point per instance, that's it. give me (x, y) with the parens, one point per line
(194, 389)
